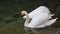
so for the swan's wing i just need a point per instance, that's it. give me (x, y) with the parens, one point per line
(37, 21)
(32, 13)
(50, 22)
(37, 10)
(31, 16)
(51, 16)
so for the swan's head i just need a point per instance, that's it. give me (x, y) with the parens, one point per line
(23, 13)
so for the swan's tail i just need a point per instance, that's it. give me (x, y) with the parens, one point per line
(52, 14)
(50, 22)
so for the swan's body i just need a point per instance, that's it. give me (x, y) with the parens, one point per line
(40, 18)
(38, 21)
(41, 9)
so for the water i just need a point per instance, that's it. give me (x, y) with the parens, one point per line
(11, 25)
(46, 30)
(16, 27)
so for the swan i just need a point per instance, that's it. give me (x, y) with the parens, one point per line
(40, 9)
(38, 21)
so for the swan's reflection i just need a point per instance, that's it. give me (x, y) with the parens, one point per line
(46, 30)
(57, 31)
(27, 30)
(35, 31)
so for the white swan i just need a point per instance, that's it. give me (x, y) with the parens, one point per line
(38, 21)
(41, 9)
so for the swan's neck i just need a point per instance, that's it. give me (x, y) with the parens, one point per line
(27, 20)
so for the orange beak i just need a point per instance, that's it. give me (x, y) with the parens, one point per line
(20, 14)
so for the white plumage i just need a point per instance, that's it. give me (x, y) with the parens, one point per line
(40, 21)
(40, 18)
(41, 9)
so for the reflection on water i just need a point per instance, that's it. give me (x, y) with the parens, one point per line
(19, 29)
(27, 30)
(35, 31)
(47, 30)
(57, 31)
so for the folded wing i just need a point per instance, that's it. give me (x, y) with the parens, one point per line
(41, 9)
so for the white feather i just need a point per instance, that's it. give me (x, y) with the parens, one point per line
(41, 9)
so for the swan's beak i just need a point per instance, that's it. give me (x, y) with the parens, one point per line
(20, 14)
